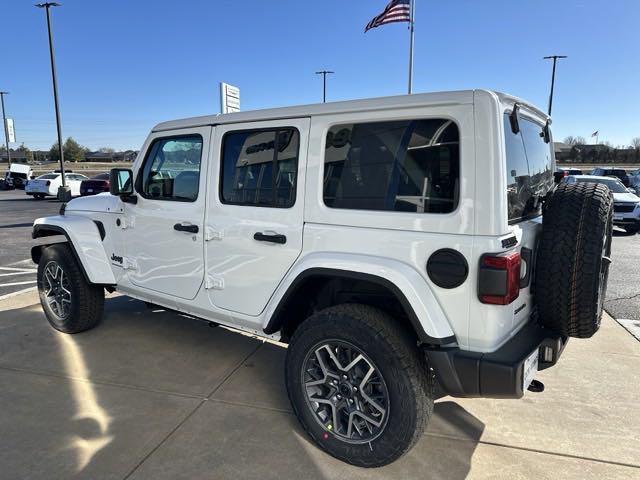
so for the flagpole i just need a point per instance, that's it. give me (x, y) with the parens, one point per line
(411, 17)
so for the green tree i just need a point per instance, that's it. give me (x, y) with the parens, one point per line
(73, 151)
(27, 153)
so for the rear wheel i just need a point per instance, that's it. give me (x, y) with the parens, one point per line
(572, 265)
(38, 196)
(358, 384)
(70, 303)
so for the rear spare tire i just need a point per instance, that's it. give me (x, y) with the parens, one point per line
(573, 258)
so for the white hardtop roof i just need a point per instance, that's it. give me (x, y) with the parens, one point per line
(381, 103)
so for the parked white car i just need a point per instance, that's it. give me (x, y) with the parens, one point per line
(47, 184)
(391, 242)
(626, 204)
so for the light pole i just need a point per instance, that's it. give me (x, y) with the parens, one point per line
(6, 130)
(324, 83)
(553, 77)
(64, 192)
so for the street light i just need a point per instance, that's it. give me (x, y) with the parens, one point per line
(6, 129)
(324, 83)
(553, 77)
(64, 192)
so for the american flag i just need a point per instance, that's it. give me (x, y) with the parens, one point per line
(396, 11)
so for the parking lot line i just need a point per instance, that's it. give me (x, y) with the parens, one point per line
(17, 273)
(14, 269)
(17, 283)
(15, 294)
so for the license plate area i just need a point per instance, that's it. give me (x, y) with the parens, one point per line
(529, 370)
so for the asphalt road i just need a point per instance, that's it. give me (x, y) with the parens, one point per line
(17, 272)
(17, 213)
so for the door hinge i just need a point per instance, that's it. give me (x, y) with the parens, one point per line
(214, 283)
(212, 234)
(130, 264)
(124, 222)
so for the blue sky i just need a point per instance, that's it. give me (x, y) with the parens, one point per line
(124, 66)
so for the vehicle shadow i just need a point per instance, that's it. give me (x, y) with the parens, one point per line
(119, 390)
(621, 233)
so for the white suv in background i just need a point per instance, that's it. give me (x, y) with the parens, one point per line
(626, 204)
(391, 242)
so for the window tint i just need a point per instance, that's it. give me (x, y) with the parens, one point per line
(48, 176)
(259, 167)
(171, 170)
(529, 174)
(408, 166)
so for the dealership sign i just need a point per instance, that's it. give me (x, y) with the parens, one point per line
(11, 131)
(229, 98)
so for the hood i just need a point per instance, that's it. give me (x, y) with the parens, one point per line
(626, 197)
(103, 202)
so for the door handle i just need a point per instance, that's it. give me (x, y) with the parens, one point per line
(270, 237)
(186, 228)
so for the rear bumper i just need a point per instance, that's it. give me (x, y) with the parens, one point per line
(498, 374)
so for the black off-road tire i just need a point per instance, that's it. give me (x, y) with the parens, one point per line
(86, 300)
(392, 348)
(38, 196)
(573, 258)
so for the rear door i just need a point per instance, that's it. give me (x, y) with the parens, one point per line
(255, 211)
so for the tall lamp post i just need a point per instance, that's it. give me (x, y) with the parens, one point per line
(324, 83)
(6, 129)
(64, 192)
(553, 77)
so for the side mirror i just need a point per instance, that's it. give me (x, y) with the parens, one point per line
(121, 184)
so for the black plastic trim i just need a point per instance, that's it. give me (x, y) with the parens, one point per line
(509, 242)
(101, 229)
(463, 373)
(276, 321)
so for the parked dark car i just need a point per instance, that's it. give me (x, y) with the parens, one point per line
(619, 173)
(560, 173)
(97, 184)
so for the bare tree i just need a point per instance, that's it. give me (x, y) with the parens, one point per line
(580, 141)
(635, 142)
(570, 140)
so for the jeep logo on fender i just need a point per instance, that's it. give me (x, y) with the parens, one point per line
(115, 258)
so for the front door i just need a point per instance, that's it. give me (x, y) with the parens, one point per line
(163, 231)
(255, 211)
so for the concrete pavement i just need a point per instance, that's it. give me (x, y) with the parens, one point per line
(151, 394)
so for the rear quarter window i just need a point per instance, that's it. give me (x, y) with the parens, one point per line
(402, 166)
(529, 169)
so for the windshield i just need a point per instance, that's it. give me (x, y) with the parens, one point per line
(614, 185)
(48, 176)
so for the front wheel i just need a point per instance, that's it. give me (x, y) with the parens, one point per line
(358, 384)
(70, 303)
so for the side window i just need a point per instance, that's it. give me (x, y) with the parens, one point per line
(529, 173)
(259, 167)
(402, 166)
(171, 169)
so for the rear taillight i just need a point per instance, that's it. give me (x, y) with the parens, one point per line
(48, 182)
(499, 278)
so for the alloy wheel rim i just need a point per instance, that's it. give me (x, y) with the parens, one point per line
(345, 391)
(57, 290)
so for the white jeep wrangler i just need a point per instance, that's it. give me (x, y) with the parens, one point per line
(396, 244)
